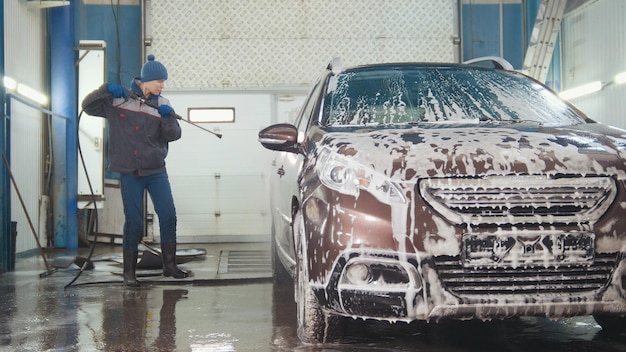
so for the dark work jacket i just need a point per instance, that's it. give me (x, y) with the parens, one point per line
(138, 135)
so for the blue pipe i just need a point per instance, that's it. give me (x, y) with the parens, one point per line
(63, 101)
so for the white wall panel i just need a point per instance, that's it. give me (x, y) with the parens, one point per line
(220, 185)
(594, 48)
(24, 61)
(266, 43)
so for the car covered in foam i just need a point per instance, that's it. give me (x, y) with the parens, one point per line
(428, 191)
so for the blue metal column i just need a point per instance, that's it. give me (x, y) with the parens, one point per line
(63, 95)
(6, 239)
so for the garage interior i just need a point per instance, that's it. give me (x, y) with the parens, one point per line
(253, 61)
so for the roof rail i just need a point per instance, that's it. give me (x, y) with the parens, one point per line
(496, 61)
(335, 65)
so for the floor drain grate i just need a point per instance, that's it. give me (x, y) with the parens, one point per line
(245, 261)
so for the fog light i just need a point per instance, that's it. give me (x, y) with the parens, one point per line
(359, 274)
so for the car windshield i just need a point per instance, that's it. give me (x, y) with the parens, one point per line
(437, 95)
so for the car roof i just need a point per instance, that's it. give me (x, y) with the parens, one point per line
(404, 65)
(489, 63)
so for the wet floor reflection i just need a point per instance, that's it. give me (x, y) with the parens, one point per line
(166, 340)
(39, 315)
(127, 323)
(129, 320)
(124, 320)
(8, 309)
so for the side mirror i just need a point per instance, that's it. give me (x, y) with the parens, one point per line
(281, 137)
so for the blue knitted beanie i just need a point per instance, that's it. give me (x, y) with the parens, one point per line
(153, 70)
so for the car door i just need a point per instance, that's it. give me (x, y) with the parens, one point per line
(285, 189)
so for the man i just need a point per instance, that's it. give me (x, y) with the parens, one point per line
(139, 132)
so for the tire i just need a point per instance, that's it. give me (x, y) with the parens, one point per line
(311, 324)
(314, 325)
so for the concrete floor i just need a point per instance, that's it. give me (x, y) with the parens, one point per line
(223, 306)
(229, 304)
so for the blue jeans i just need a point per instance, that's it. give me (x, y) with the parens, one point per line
(158, 186)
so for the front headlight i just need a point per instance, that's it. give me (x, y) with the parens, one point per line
(349, 177)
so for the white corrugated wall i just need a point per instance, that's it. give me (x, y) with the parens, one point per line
(257, 57)
(593, 41)
(25, 57)
(268, 43)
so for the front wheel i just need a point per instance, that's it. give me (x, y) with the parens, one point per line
(314, 325)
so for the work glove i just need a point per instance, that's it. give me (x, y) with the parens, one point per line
(117, 90)
(165, 111)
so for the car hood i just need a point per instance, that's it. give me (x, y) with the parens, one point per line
(467, 150)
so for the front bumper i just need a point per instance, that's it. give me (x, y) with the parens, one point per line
(434, 288)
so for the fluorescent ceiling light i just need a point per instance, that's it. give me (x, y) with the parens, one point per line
(620, 78)
(32, 94)
(9, 83)
(581, 90)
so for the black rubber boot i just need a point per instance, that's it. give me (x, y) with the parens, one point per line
(130, 265)
(168, 251)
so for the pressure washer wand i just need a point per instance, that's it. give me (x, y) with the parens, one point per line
(178, 117)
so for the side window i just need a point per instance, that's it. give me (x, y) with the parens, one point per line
(302, 123)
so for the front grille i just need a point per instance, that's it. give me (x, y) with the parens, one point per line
(469, 282)
(520, 199)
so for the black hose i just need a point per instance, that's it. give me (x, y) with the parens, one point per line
(95, 206)
(80, 152)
